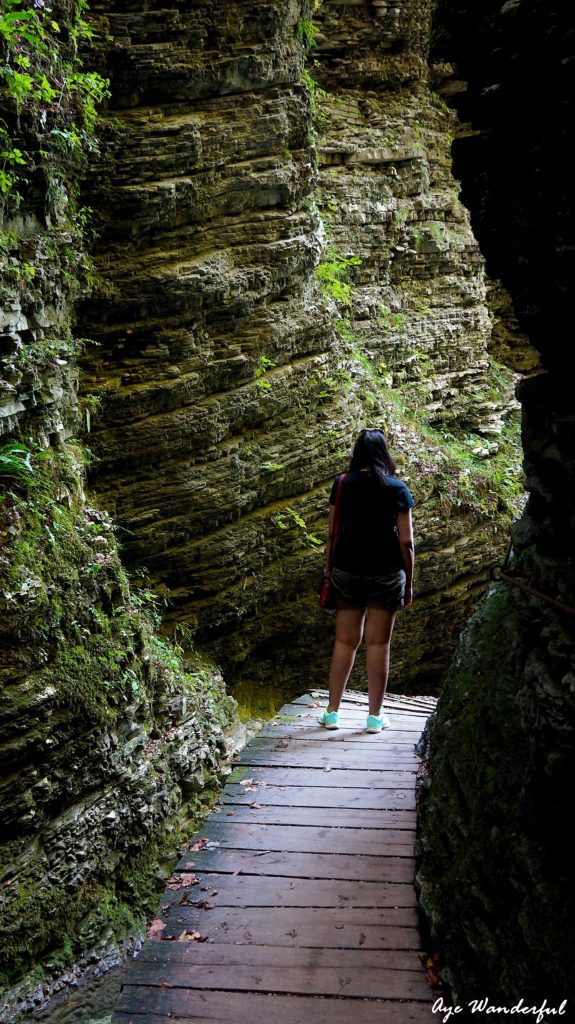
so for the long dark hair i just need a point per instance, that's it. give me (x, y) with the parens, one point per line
(371, 452)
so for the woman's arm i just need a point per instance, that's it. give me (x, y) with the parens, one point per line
(405, 534)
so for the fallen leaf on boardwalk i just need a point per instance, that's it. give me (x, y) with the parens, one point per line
(292, 934)
(251, 789)
(230, 814)
(281, 744)
(255, 807)
(191, 937)
(362, 938)
(431, 965)
(198, 845)
(166, 984)
(214, 892)
(156, 928)
(247, 935)
(178, 881)
(238, 872)
(246, 782)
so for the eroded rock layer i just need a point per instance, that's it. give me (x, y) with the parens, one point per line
(110, 744)
(495, 868)
(223, 400)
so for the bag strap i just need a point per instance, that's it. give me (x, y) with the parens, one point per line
(336, 522)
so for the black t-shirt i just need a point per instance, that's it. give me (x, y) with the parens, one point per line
(368, 543)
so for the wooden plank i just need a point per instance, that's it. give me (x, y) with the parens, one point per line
(310, 796)
(278, 734)
(332, 778)
(248, 891)
(307, 733)
(303, 838)
(327, 800)
(160, 951)
(316, 756)
(160, 1006)
(374, 754)
(310, 927)
(299, 865)
(269, 777)
(288, 814)
(355, 982)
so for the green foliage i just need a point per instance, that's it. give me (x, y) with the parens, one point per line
(91, 403)
(306, 31)
(316, 94)
(315, 90)
(264, 365)
(15, 462)
(14, 270)
(289, 518)
(390, 322)
(332, 274)
(344, 329)
(42, 80)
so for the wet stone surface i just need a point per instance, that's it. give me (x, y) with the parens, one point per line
(92, 1002)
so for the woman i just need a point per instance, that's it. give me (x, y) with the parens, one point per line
(372, 570)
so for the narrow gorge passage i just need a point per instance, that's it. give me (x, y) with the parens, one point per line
(233, 236)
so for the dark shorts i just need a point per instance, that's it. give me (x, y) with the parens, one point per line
(369, 591)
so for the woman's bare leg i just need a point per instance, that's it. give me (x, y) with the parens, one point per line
(378, 630)
(348, 633)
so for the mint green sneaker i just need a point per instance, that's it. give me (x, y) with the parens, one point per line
(330, 719)
(376, 723)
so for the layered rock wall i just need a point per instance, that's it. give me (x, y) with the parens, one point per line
(224, 400)
(495, 867)
(110, 743)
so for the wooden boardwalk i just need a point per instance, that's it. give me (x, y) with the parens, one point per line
(296, 902)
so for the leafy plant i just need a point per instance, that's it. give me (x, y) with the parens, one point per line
(42, 78)
(264, 364)
(290, 518)
(306, 31)
(15, 462)
(332, 275)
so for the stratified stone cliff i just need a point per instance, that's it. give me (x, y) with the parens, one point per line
(496, 866)
(110, 742)
(249, 324)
